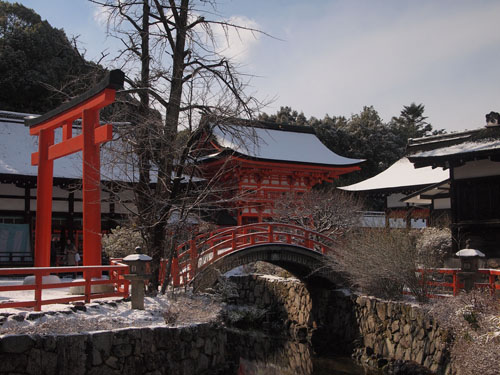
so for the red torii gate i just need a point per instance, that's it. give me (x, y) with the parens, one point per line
(86, 107)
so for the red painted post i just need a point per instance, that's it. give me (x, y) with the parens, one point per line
(193, 259)
(245, 232)
(91, 192)
(233, 240)
(271, 233)
(307, 242)
(175, 271)
(491, 279)
(88, 289)
(44, 199)
(455, 283)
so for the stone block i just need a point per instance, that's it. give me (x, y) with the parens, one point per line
(49, 363)
(16, 343)
(12, 363)
(102, 342)
(113, 362)
(96, 357)
(203, 363)
(390, 347)
(34, 364)
(381, 311)
(71, 354)
(122, 350)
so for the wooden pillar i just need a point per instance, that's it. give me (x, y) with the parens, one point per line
(91, 190)
(44, 199)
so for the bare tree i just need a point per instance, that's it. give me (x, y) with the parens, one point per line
(175, 73)
(327, 211)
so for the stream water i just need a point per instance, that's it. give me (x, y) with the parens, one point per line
(259, 354)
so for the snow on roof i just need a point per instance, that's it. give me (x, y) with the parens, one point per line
(17, 145)
(401, 174)
(280, 145)
(461, 148)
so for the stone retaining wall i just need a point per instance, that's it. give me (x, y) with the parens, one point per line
(149, 351)
(288, 300)
(389, 330)
(375, 331)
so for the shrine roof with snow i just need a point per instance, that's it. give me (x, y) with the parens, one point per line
(277, 143)
(402, 174)
(456, 147)
(17, 145)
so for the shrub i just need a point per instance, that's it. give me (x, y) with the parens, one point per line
(433, 246)
(121, 242)
(379, 261)
(474, 321)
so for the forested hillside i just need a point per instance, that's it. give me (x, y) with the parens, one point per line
(38, 63)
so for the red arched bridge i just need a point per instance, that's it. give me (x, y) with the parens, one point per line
(296, 249)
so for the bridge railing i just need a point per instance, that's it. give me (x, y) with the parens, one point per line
(205, 249)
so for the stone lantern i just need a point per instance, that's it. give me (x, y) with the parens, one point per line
(139, 272)
(469, 266)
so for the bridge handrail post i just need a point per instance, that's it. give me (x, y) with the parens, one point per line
(233, 240)
(270, 231)
(307, 241)
(193, 259)
(244, 232)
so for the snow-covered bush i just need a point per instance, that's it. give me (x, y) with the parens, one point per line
(121, 242)
(433, 246)
(474, 322)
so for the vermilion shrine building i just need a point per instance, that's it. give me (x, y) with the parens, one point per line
(262, 161)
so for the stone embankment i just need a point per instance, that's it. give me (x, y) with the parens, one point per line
(377, 332)
(288, 302)
(399, 331)
(380, 334)
(150, 351)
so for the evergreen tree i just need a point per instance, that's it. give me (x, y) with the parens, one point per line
(412, 123)
(36, 60)
(286, 115)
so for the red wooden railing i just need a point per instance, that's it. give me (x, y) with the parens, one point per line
(116, 272)
(204, 249)
(453, 286)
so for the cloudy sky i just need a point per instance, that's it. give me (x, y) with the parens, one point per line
(336, 56)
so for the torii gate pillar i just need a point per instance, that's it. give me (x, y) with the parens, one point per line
(87, 108)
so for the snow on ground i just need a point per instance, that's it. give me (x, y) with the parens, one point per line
(102, 314)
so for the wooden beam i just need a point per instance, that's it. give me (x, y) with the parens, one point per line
(103, 134)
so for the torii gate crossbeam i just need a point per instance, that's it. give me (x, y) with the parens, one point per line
(86, 107)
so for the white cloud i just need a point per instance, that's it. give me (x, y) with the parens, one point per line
(101, 15)
(237, 42)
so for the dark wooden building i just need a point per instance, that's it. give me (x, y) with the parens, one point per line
(473, 159)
